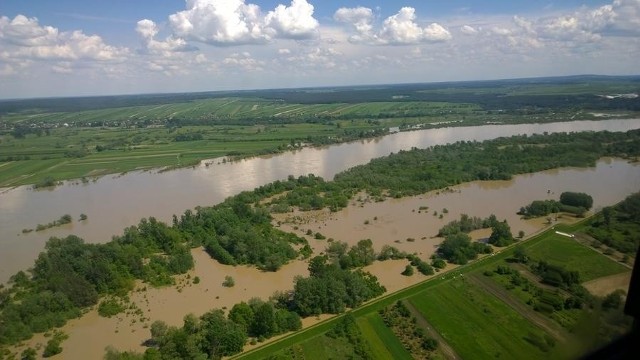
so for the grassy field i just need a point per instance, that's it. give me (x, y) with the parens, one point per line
(384, 344)
(561, 250)
(318, 348)
(70, 138)
(474, 323)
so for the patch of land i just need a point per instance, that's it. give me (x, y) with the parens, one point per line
(608, 284)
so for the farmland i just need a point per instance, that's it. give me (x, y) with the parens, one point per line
(72, 138)
(472, 321)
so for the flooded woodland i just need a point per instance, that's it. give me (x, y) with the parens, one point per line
(113, 203)
(410, 224)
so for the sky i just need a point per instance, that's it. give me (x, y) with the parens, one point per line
(97, 47)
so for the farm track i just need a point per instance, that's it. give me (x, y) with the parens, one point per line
(444, 347)
(522, 309)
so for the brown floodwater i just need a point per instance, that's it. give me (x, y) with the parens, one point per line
(402, 223)
(115, 202)
(396, 221)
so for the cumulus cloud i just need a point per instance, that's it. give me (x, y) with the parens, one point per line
(234, 22)
(25, 38)
(148, 30)
(398, 29)
(361, 18)
(293, 22)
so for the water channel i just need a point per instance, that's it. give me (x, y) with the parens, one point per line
(117, 201)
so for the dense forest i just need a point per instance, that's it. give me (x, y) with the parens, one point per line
(71, 275)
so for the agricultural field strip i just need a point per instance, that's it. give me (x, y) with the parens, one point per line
(443, 345)
(589, 263)
(230, 107)
(384, 343)
(388, 299)
(473, 321)
(527, 312)
(598, 252)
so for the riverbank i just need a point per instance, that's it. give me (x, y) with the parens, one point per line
(121, 201)
(391, 222)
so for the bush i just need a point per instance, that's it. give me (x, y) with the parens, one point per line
(408, 270)
(228, 281)
(110, 307)
(53, 345)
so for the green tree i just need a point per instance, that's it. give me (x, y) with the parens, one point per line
(501, 234)
(576, 199)
(408, 270)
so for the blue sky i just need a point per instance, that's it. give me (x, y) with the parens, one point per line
(94, 47)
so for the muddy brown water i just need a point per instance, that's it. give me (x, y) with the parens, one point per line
(397, 220)
(115, 202)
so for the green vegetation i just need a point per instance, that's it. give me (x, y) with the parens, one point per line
(576, 199)
(420, 170)
(471, 321)
(64, 219)
(398, 318)
(72, 275)
(345, 340)
(228, 281)
(210, 335)
(43, 141)
(539, 208)
(569, 254)
(615, 226)
(331, 289)
(53, 346)
(466, 225)
(458, 249)
(501, 234)
(110, 307)
(384, 343)
(570, 202)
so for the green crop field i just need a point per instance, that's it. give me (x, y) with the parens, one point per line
(561, 250)
(318, 348)
(384, 344)
(182, 129)
(475, 323)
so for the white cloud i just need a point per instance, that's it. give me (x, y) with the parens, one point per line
(361, 18)
(233, 22)
(24, 38)
(292, 22)
(245, 61)
(468, 30)
(627, 15)
(398, 29)
(147, 30)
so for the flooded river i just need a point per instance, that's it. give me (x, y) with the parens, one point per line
(391, 222)
(115, 202)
